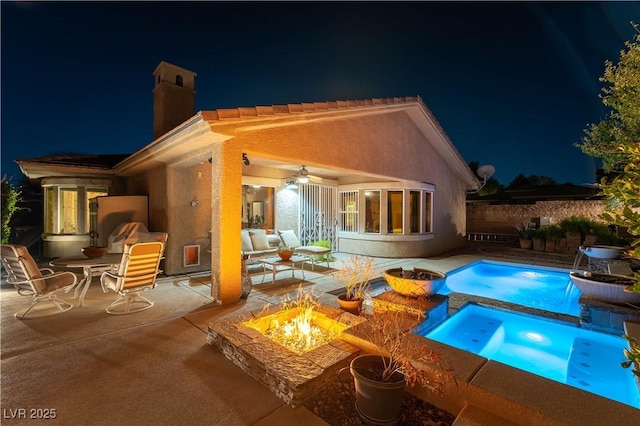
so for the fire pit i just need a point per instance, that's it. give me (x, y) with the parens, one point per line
(293, 371)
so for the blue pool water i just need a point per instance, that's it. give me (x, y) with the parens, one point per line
(559, 351)
(549, 289)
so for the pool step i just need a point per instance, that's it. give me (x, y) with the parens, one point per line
(584, 369)
(474, 333)
(585, 361)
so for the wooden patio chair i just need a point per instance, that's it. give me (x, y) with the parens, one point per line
(43, 284)
(136, 273)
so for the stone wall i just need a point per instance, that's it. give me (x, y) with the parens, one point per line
(502, 219)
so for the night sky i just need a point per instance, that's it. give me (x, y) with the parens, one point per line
(512, 84)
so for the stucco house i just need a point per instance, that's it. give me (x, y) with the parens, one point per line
(383, 179)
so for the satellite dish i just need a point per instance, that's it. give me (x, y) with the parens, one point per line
(486, 171)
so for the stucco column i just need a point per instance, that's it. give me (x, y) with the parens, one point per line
(226, 211)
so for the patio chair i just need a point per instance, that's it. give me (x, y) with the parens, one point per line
(43, 284)
(290, 239)
(136, 273)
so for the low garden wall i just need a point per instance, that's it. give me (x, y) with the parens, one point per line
(502, 219)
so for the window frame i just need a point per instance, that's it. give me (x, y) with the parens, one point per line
(421, 195)
(371, 229)
(53, 191)
(352, 198)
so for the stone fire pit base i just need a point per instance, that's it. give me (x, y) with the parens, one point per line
(293, 378)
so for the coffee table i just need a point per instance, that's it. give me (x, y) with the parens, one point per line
(278, 265)
(86, 264)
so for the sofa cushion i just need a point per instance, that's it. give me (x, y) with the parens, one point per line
(259, 240)
(289, 238)
(313, 250)
(260, 253)
(246, 241)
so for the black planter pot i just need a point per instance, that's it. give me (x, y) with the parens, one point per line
(377, 402)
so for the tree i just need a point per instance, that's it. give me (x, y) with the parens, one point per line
(521, 181)
(621, 96)
(616, 140)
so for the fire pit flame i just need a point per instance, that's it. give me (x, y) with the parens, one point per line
(298, 331)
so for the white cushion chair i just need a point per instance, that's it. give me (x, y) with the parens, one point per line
(43, 284)
(136, 273)
(290, 239)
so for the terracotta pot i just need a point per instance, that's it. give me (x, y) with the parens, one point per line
(353, 306)
(377, 402)
(285, 255)
(525, 244)
(538, 244)
(590, 240)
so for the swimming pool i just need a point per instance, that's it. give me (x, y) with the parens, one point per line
(549, 289)
(584, 359)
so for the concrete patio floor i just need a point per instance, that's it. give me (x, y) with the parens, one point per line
(155, 367)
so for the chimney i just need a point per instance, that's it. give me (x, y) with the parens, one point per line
(174, 97)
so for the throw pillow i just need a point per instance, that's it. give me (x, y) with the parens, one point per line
(259, 240)
(289, 238)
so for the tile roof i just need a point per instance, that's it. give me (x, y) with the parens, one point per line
(97, 161)
(258, 111)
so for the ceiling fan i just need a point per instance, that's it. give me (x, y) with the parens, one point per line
(304, 176)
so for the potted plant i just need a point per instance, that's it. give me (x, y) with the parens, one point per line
(354, 276)
(524, 230)
(398, 359)
(285, 252)
(538, 236)
(574, 228)
(553, 234)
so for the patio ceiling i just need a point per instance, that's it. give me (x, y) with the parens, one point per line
(276, 169)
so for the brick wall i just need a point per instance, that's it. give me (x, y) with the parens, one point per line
(502, 219)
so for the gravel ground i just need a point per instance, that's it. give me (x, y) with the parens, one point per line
(336, 406)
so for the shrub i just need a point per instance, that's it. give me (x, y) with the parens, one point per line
(10, 198)
(326, 244)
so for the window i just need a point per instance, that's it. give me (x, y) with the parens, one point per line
(349, 211)
(179, 80)
(428, 213)
(51, 212)
(68, 202)
(372, 211)
(394, 212)
(66, 206)
(92, 193)
(414, 212)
